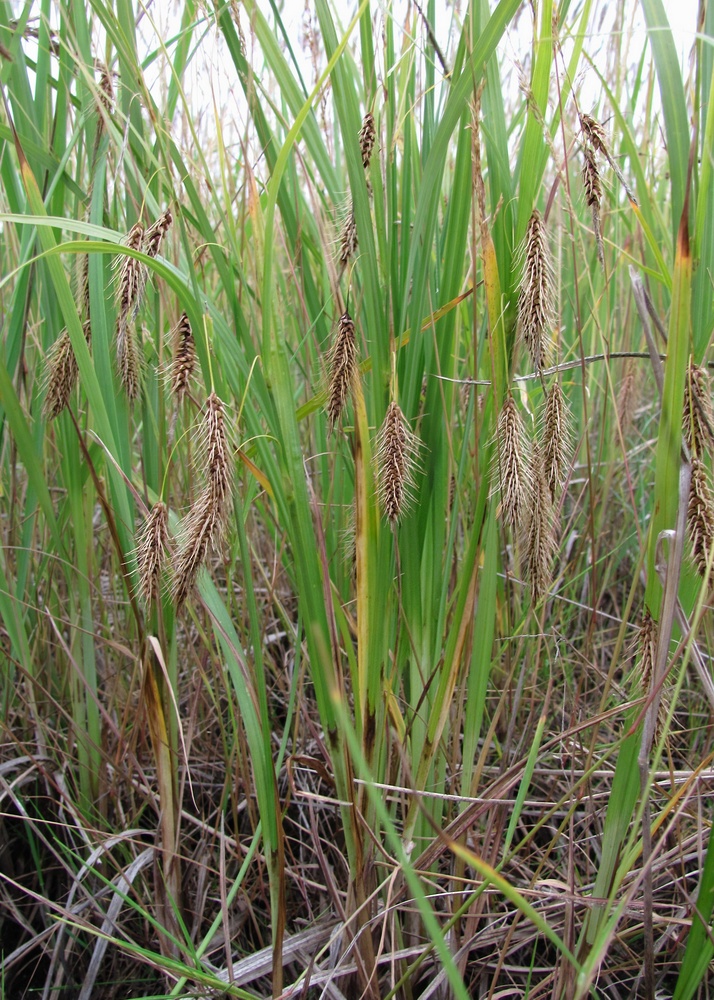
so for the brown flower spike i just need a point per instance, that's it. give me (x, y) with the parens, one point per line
(183, 360)
(396, 457)
(700, 516)
(540, 533)
(205, 523)
(697, 419)
(152, 544)
(536, 296)
(342, 369)
(556, 439)
(514, 472)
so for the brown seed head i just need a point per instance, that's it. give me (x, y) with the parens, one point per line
(348, 238)
(367, 137)
(396, 457)
(594, 134)
(342, 369)
(556, 438)
(698, 420)
(60, 376)
(131, 282)
(204, 525)
(513, 474)
(129, 362)
(154, 236)
(536, 296)
(647, 653)
(183, 360)
(593, 196)
(540, 533)
(151, 548)
(700, 516)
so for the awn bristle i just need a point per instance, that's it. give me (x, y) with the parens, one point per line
(700, 515)
(697, 419)
(367, 137)
(556, 438)
(396, 457)
(539, 536)
(514, 468)
(342, 369)
(183, 360)
(348, 238)
(152, 544)
(594, 134)
(206, 521)
(593, 197)
(536, 295)
(61, 371)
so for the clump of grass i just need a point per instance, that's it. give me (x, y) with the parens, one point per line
(183, 358)
(536, 294)
(152, 545)
(514, 473)
(206, 521)
(342, 369)
(396, 456)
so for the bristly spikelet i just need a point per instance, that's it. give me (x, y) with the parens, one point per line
(536, 295)
(155, 234)
(700, 516)
(216, 452)
(130, 284)
(183, 359)
(594, 134)
(647, 654)
(129, 363)
(204, 525)
(60, 376)
(697, 419)
(83, 284)
(341, 369)
(396, 457)
(593, 197)
(151, 548)
(348, 238)
(539, 534)
(367, 137)
(513, 474)
(61, 371)
(556, 438)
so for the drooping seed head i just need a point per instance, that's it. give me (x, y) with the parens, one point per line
(348, 238)
(155, 234)
(648, 638)
(513, 474)
(537, 292)
(367, 137)
(204, 526)
(594, 134)
(556, 438)
(131, 283)
(183, 358)
(697, 419)
(539, 540)
(396, 457)
(60, 376)
(341, 368)
(151, 549)
(593, 197)
(700, 516)
(129, 366)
